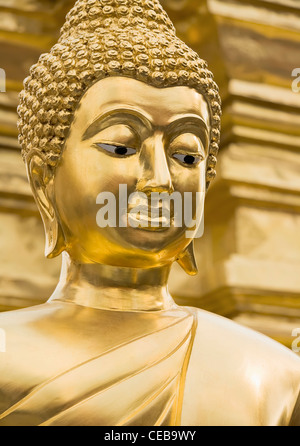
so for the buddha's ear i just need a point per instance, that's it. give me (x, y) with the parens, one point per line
(41, 179)
(187, 260)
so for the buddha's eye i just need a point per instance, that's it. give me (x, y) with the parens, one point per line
(117, 150)
(188, 160)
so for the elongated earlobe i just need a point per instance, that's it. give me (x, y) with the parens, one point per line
(41, 181)
(187, 260)
(54, 243)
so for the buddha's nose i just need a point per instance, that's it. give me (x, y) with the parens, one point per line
(156, 176)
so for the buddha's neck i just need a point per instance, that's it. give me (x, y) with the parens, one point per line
(113, 288)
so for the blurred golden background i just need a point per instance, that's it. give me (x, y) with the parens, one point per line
(249, 257)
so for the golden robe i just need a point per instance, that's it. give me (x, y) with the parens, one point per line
(67, 364)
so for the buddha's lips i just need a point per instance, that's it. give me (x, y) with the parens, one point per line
(148, 210)
(153, 217)
(150, 223)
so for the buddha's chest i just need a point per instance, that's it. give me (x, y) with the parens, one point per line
(137, 380)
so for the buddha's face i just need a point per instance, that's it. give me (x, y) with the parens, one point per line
(146, 139)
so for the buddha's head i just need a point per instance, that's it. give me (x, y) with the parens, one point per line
(120, 100)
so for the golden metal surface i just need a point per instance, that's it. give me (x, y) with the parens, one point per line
(111, 347)
(249, 254)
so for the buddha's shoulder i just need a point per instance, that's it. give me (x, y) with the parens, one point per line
(39, 342)
(20, 328)
(30, 329)
(226, 338)
(243, 370)
(24, 349)
(26, 316)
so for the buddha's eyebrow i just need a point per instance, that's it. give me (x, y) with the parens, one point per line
(112, 118)
(189, 122)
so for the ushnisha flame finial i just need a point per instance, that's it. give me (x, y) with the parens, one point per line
(100, 38)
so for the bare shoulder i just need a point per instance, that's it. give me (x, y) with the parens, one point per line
(253, 378)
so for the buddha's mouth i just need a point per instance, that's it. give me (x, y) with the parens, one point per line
(140, 220)
(150, 218)
(152, 212)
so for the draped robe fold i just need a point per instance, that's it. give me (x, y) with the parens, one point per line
(66, 364)
(135, 377)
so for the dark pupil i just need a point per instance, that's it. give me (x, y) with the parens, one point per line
(189, 159)
(121, 150)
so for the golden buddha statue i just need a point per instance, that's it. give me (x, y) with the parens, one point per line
(120, 100)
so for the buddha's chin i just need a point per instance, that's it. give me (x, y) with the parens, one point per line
(151, 239)
(149, 249)
(128, 246)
